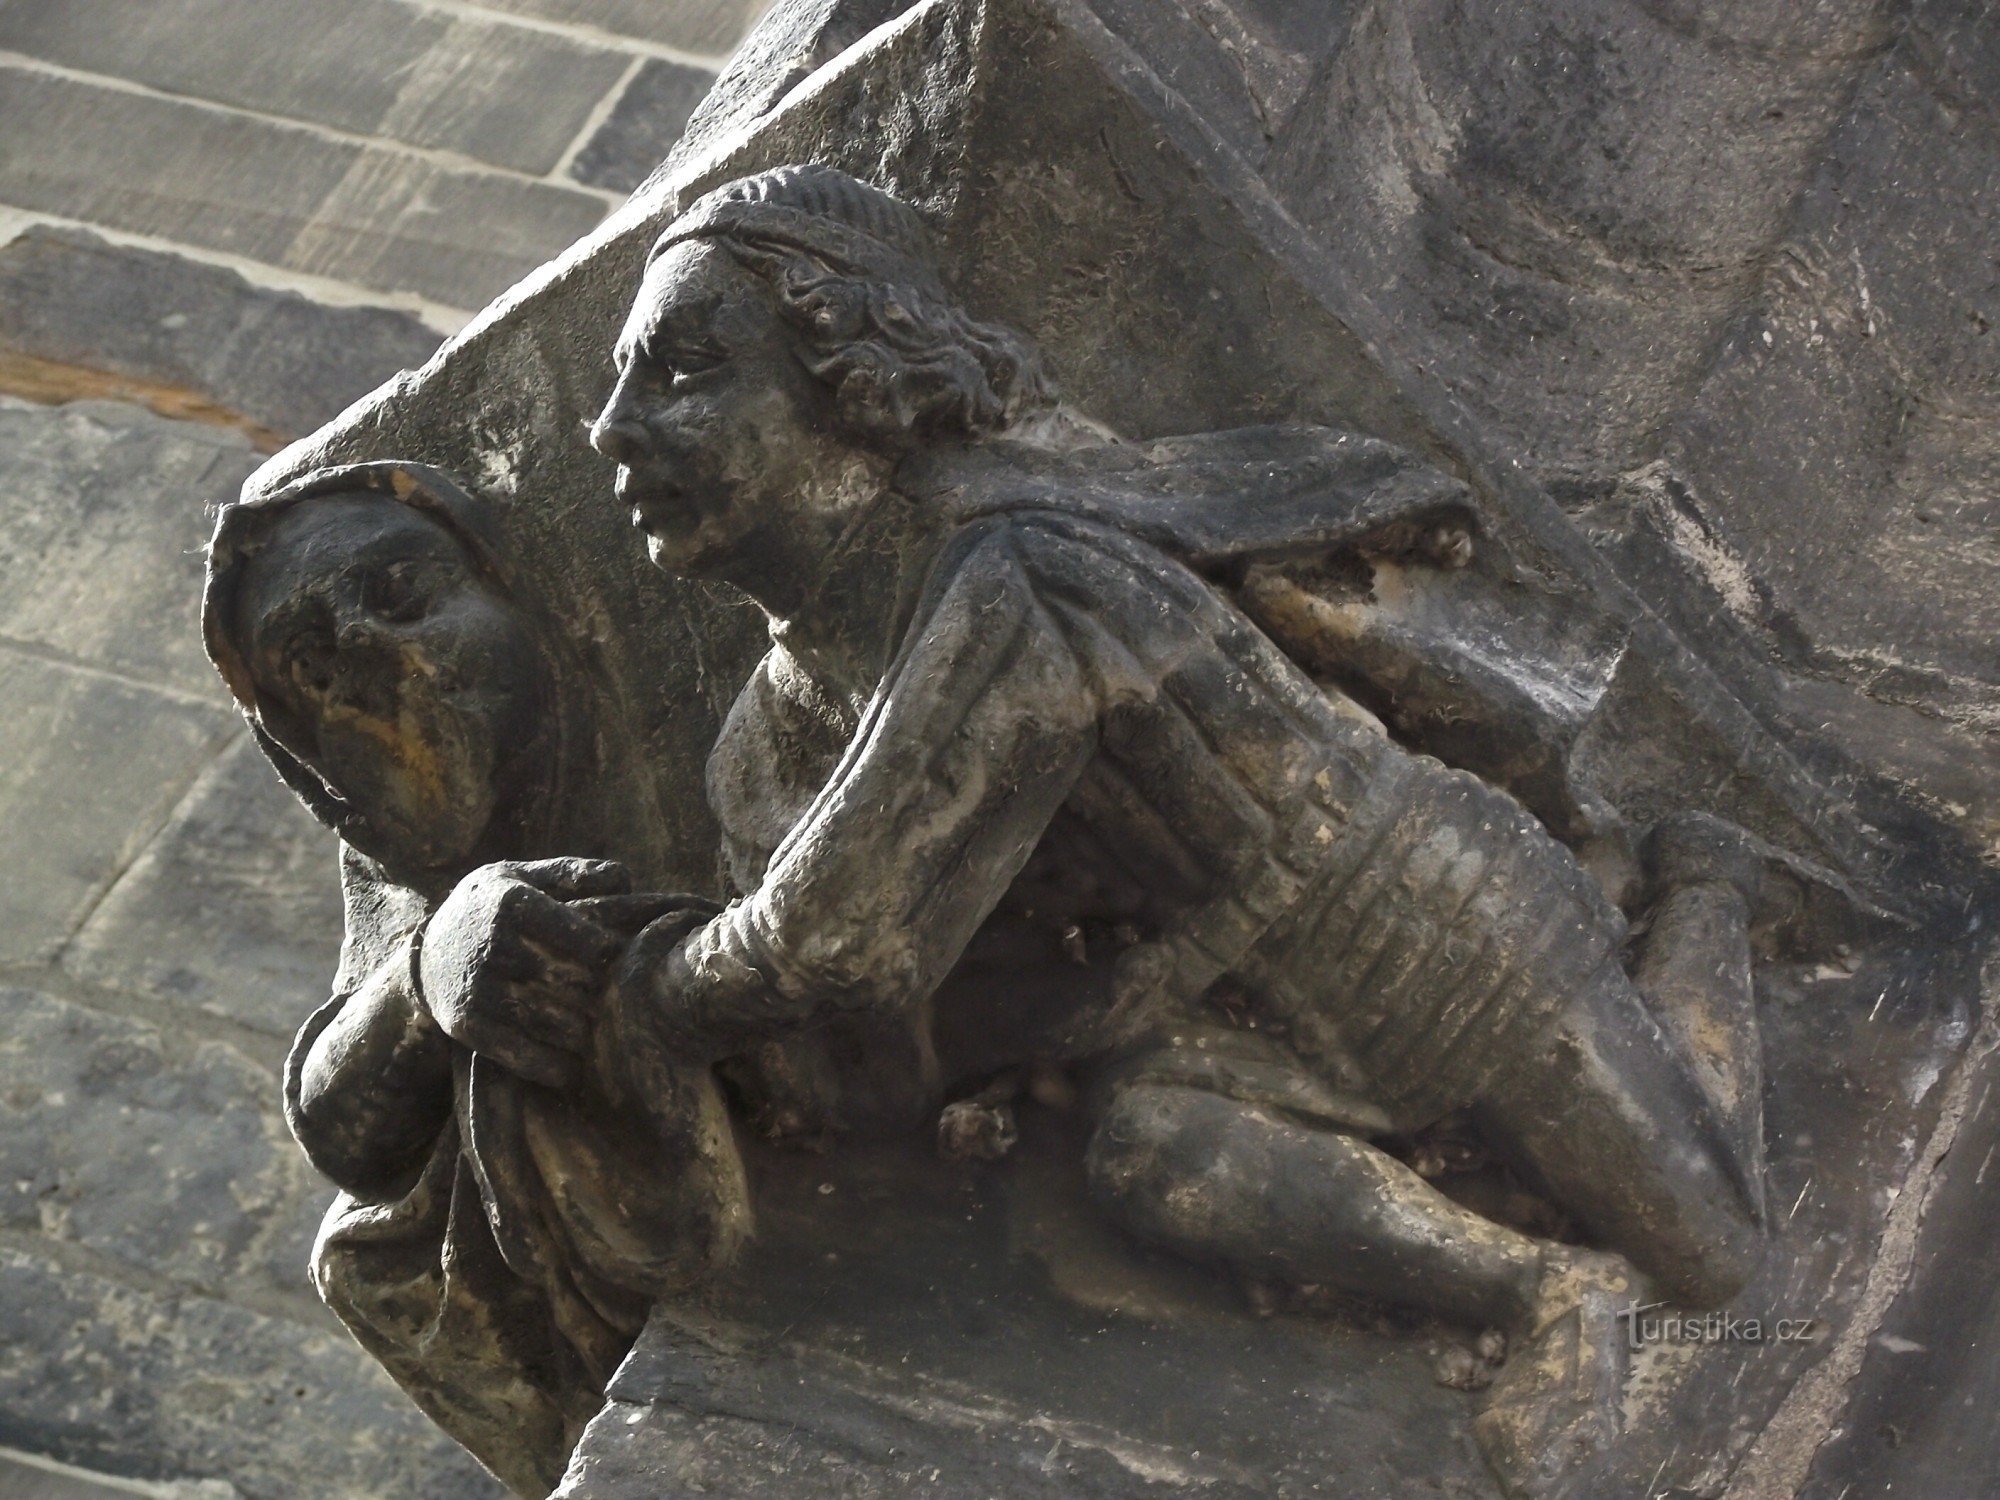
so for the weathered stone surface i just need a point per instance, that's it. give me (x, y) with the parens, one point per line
(233, 908)
(1192, 60)
(283, 195)
(282, 1258)
(907, 1327)
(782, 50)
(276, 358)
(494, 92)
(1921, 1418)
(708, 28)
(403, 222)
(160, 1152)
(1308, 30)
(502, 94)
(1562, 211)
(160, 166)
(101, 509)
(1844, 447)
(88, 766)
(647, 120)
(1274, 46)
(97, 1372)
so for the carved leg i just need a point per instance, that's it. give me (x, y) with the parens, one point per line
(1216, 1179)
(1610, 1121)
(1695, 968)
(1219, 1180)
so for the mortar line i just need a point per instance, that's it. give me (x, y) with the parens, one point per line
(56, 656)
(146, 829)
(1753, 295)
(594, 122)
(583, 32)
(96, 1480)
(170, 1017)
(73, 1257)
(452, 161)
(323, 290)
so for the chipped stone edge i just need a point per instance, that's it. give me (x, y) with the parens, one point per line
(1779, 1463)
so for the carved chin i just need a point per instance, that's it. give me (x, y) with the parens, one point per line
(424, 786)
(432, 832)
(700, 547)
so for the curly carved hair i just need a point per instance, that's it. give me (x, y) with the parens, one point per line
(900, 359)
(853, 269)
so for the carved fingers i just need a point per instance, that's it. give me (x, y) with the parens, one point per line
(513, 972)
(567, 879)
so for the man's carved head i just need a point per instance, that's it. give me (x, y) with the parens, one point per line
(362, 621)
(785, 319)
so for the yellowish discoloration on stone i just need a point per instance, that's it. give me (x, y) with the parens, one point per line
(50, 383)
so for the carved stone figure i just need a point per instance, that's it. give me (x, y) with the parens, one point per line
(1015, 709)
(518, 1184)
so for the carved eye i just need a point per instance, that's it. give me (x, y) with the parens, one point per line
(685, 364)
(395, 594)
(309, 659)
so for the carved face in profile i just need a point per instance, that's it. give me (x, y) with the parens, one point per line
(399, 675)
(716, 424)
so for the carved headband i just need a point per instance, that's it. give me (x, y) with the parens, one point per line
(855, 229)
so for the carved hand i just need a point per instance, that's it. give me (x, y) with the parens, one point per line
(513, 973)
(650, 984)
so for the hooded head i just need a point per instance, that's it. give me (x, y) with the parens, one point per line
(365, 621)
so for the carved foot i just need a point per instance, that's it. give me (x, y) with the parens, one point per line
(1553, 1414)
(1804, 906)
(1692, 848)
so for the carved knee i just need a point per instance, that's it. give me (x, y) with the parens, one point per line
(1153, 1162)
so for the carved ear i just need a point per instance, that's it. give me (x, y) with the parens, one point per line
(869, 392)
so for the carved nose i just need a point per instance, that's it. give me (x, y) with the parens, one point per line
(621, 440)
(355, 627)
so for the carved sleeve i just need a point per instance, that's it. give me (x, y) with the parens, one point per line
(368, 1082)
(979, 731)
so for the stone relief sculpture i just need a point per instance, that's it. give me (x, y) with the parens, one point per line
(1054, 717)
(512, 1197)
(1190, 947)
(1046, 764)
(1049, 763)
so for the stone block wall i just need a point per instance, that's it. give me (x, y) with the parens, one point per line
(220, 222)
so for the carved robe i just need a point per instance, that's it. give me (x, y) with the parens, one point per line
(1085, 740)
(496, 1244)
